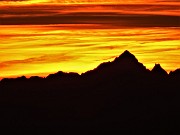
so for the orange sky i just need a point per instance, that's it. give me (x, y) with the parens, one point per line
(38, 37)
(89, 1)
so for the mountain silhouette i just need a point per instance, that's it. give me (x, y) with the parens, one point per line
(158, 70)
(124, 65)
(175, 73)
(117, 97)
(61, 74)
(127, 56)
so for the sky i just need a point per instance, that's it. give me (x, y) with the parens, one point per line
(38, 37)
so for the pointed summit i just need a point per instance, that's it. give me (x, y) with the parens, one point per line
(158, 70)
(126, 55)
(125, 64)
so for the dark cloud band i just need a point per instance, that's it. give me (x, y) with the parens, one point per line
(115, 15)
(123, 20)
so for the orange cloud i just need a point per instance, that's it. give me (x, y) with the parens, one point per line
(39, 60)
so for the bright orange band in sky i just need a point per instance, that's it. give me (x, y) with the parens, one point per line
(38, 37)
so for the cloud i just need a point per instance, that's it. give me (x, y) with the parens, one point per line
(140, 15)
(51, 58)
(131, 20)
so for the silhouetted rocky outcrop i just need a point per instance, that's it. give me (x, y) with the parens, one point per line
(175, 73)
(124, 65)
(118, 97)
(35, 78)
(158, 70)
(61, 74)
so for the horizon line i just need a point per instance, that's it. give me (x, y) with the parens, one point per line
(49, 73)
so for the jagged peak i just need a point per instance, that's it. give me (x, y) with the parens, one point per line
(126, 52)
(125, 63)
(176, 72)
(157, 69)
(157, 66)
(126, 55)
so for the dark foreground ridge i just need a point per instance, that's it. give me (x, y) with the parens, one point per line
(120, 97)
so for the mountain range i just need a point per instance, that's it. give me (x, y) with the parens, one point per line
(121, 97)
(125, 64)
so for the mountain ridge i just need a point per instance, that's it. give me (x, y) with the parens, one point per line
(125, 62)
(121, 97)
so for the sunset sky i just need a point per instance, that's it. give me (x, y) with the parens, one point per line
(38, 37)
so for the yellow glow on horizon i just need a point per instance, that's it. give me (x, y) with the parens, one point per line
(40, 50)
